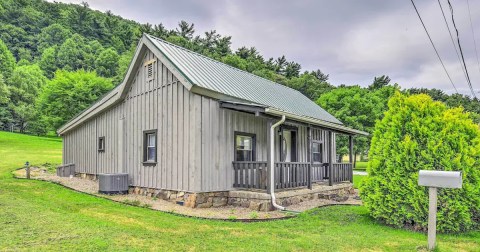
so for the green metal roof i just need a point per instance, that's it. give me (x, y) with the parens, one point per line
(213, 75)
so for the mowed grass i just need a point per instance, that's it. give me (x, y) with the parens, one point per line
(36, 215)
(357, 180)
(361, 166)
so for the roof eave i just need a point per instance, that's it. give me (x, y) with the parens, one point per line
(324, 124)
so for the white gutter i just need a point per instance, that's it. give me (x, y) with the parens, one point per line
(272, 164)
(338, 127)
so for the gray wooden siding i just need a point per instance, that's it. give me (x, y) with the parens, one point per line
(161, 103)
(164, 104)
(218, 127)
(195, 137)
(81, 144)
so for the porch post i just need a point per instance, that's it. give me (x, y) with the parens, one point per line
(269, 161)
(350, 144)
(350, 157)
(309, 158)
(331, 158)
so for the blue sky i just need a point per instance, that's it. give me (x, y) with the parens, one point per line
(353, 41)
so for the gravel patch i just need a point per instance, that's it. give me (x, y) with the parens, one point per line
(226, 212)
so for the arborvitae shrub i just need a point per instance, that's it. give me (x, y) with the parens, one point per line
(415, 134)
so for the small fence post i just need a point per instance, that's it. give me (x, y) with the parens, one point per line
(27, 165)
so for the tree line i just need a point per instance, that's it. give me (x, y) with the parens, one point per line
(56, 59)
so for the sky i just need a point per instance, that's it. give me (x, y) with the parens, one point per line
(352, 41)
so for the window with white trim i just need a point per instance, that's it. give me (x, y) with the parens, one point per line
(317, 148)
(101, 144)
(245, 146)
(150, 146)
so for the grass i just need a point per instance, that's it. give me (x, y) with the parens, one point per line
(361, 166)
(357, 180)
(36, 215)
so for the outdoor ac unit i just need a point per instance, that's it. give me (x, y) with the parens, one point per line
(113, 183)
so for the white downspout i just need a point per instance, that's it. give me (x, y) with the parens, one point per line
(272, 163)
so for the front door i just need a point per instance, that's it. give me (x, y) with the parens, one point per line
(288, 142)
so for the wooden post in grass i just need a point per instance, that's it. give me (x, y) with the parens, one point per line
(27, 165)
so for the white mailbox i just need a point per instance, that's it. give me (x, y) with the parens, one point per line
(440, 179)
(434, 180)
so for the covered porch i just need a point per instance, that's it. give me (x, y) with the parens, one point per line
(301, 150)
(254, 175)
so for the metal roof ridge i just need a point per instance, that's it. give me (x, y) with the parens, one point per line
(219, 62)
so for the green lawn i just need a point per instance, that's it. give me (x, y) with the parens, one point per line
(357, 180)
(361, 166)
(37, 215)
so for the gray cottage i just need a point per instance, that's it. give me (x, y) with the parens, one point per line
(186, 124)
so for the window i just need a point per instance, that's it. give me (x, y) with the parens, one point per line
(244, 146)
(101, 144)
(150, 147)
(317, 148)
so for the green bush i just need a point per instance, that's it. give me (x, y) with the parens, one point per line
(420, 134)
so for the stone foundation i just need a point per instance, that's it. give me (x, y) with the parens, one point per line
(260, 201)
(257, 201)
(188, 199)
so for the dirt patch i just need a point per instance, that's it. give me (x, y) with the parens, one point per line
(225, 212)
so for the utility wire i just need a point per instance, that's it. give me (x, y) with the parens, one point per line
(433, 45)
(473, 34)
(461, 51)
(453, 42)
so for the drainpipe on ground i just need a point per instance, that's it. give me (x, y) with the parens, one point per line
(272, 163)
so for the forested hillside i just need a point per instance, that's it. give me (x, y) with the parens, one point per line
(56, 59)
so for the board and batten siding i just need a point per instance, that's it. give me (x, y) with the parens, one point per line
(162, 103)
(218, 142)
(195, 137)
(81, 144)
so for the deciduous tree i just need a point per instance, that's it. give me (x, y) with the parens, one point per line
(68, 93)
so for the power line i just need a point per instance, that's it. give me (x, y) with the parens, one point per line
(433, 45)
(453, 42)
(461, 51)
(473, 34)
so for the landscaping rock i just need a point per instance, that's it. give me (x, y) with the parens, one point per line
(266, 206)
(191, 200)
(327, 196)
(219, 201)
(254, 205)
(340, 198)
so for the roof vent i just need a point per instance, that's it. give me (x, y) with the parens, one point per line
(150, 71)
(113, 183)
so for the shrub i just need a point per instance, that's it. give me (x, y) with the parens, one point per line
(415, 134)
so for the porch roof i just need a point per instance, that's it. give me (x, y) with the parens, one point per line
(259, 109)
